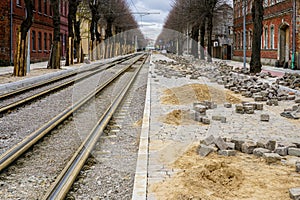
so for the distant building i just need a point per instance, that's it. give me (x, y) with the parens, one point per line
(222, 34)
(41, 32)
(277, 37)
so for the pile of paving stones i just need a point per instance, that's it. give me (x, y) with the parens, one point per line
(235, 80)
(290, 80)
(175, 69)
(271, 151)
(200, 109)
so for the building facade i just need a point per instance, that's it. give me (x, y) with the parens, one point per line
(40, 33)
(277, 40)
(222, 34)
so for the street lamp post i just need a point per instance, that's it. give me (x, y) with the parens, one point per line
(244, 32)
(294, 35)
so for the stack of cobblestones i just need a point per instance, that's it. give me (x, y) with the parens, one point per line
(272, 151)
(290, 80)
(200, 109)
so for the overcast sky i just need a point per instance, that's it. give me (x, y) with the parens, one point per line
(153, 22)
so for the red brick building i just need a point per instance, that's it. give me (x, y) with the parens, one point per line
(41, 32)
(277, 37)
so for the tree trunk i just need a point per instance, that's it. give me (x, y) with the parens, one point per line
(202, 35)
(93, 27)
(209, 37)
(195, 40)
(54, 60)
(20, 63)
(78, 45)
(108, 31)
(70, 40)
(257, 16)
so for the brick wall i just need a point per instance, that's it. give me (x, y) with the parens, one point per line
(42, 28)
(4, 32)
(274, 17)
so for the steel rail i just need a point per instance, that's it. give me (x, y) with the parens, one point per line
(55, 79)
(64, 181)
(16, 151)
(13, 105)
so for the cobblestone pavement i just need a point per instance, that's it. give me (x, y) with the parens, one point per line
(167, 142)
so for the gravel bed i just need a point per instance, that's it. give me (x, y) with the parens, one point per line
(110, 171)
(21, 122)
(33, 174)
(81, 72)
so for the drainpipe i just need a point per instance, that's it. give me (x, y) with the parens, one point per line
(11, 32)
(244, 35)
(294, 35)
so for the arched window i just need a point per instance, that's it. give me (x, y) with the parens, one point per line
(266, 38)
(45, 42)
(272, 37)
(40, 41)
(33, 38)
(45, 7)
(40, 6)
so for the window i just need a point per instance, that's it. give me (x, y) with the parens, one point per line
(18, 2)
(45, 41)
(61, 7)
(33, 41)
(66, 8)
(250, 39)
(45, 7)
(50, 39)
(266, 38)
(40, 41)
(241, 41)
(34, 6)
(50, 9)
(266, 3)
(272, 37)
(40, 5)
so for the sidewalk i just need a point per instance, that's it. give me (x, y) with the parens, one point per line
(38, 65)
(279, 72)
(43, 74)
(168, 165)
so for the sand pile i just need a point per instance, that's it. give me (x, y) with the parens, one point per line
(191, 93)
(220, 178)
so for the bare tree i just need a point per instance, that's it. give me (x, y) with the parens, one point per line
(20, 62)
(54, 60)
(73, 6)
(257, 17)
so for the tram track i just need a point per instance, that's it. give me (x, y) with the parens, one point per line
(16, 98)
(9, 169)
(38, 84)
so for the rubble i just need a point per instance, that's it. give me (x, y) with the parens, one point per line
(248, 147)
(294, 152)
(271, 157)
(259, 152)
(295, 193)
(283, 151)
(227, 152)
(297, 166)
(264, 117)
(204, 150)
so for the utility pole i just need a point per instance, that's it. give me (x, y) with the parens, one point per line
(187, 40)
(28, 49)
(244, 33)
(294, 35)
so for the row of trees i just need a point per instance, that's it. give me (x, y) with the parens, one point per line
(114, 16)
(195, 18)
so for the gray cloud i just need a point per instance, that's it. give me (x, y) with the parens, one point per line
(154, 21)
